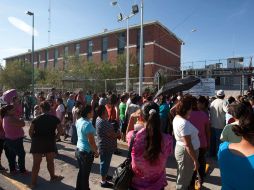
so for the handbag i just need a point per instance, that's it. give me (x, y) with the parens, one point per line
(123, 174)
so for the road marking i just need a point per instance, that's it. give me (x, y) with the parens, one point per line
(15, 183)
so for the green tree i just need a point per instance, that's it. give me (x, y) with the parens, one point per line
(87, 74)
(49, 77)
(16, 75)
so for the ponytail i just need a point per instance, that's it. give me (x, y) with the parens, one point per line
(153, 136)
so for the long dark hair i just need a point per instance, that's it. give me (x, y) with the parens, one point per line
(184, 105)
(100, 110)
(246, 122)
(150, 112)
(85, 111)
(5, 109)
(45, 106)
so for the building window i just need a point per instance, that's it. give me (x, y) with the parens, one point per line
(217, 81)
(55, 57)
(138, 39)
(104, 57)
(104, 53)
(65, 51)
(65, 56)
(138, 46)
(121, 43)
(38, 59)
(46, 58)
(90, 50)
(138, 55)
(77, 49)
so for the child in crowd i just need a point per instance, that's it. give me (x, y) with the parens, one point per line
(67, 126)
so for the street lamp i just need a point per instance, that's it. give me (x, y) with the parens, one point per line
(141, 59)
(122, 17)
(32, 14)
(182, 68)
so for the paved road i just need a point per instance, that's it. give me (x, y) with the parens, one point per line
(66, 165)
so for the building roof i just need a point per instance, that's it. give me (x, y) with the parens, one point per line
(106, 32)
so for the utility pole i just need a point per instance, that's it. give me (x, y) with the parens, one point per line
(141, 60)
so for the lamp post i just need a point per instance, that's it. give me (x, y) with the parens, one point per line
(123, 17)
(182, 67)
(32, 14)
(141, 58)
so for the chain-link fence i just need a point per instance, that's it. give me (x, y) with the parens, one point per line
(116, 85)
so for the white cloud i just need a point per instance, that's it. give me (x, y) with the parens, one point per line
(22, 26)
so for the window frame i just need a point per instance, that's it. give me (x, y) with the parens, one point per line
(104, 48)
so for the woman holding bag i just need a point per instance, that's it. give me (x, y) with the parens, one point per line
(150, 151)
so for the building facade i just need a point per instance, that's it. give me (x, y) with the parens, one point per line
(162, 49)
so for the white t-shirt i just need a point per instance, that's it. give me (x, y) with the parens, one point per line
(218, 111)
(60, 111)
(183, 127)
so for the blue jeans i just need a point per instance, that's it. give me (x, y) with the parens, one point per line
(85, 162)
(214, 141)
(123, 125)
(16, 148)
(105, 158)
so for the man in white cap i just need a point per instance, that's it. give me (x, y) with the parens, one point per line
(218, 109)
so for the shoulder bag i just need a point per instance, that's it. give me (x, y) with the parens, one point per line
(123, 174)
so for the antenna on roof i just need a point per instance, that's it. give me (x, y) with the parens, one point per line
(49, 22)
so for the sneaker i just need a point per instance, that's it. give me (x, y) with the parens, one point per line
(13, 172)
(109, 178)
(106, 184)
(25, 173)
(56, 178)
(117, 152)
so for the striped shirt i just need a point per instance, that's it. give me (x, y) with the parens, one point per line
(106, 142)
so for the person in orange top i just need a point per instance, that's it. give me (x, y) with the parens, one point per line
(112, 109)
(113, 116)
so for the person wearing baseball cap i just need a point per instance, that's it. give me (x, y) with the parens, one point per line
(218, 109)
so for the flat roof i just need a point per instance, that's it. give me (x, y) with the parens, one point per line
(101, 34)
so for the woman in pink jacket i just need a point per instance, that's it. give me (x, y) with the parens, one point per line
(150, 152)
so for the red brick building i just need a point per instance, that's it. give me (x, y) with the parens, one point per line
(162, 49)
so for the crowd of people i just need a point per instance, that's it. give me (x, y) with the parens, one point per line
(193, 128)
